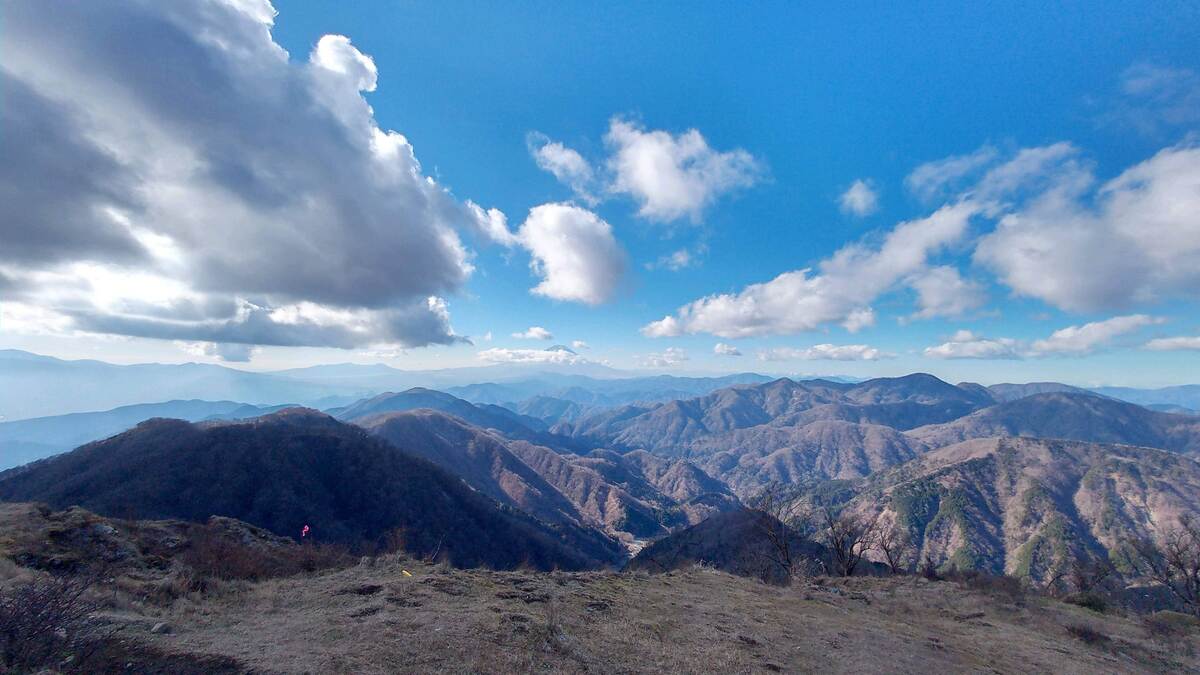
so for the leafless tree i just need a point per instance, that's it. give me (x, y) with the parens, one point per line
(1175, 564)
(777, 513)
(849, 537)
(895, 545)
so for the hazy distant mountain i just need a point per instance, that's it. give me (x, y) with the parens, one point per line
(601, 392)
(284, 471)
(1187, 395)
(1081, 417)
(1171, 408)
(26, 440)
(1024, 506)
(552, 410)
(380, 377)
(1011, 392)
(36, 386)
(485, 416)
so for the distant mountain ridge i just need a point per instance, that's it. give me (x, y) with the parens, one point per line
(749, 435)
(1072, 416)
(287, 470)
(1011, 392)
(27, 440)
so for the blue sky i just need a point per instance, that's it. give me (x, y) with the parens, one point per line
(792, 105)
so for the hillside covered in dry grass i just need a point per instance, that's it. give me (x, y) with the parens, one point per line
(166, 604)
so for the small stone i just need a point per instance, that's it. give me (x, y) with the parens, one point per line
(161, 628)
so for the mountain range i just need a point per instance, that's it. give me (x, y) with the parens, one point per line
(293, 469)
(1012, 478)
(24, 441)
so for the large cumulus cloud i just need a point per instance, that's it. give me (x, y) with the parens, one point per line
(170, 171)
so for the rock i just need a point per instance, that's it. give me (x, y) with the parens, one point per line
(161, 628)
(103, 529)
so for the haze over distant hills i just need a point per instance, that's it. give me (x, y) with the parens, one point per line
(24, 441)
(32, 385)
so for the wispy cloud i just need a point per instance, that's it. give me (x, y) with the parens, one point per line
(825, 352)
(860, 199)
(534, 333)
(1082, 340)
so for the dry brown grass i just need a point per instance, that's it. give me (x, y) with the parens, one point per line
(373, 618)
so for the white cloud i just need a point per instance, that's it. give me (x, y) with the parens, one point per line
(941, 291)
(1078, 340)
(678, 260)
(966, 345)
(534, 333)
(860, 199)
(1156, 99)
(722, 349)
(574, 252)
(859, 319)
(933, 179)
(1137, 241)
(234, 353)
(580, 344)
(839, 292)
(672, 176)
(487, 337)
(1069, 341)
(491, 223)
(253, 186)
(566, 164)
(669, 357)
(669, 176)
(1174, 344)
(555, 356)
(825, 352)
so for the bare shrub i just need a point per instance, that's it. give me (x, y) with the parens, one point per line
(1088, 635)
(999, 585)
(1090, 600)
(1175, 565)
(929, 570)
(896, 547)
(213, 556)
(1171, 628)
(849, 537)
(45, 620)
(777, 514)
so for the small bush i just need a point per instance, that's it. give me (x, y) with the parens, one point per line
(1000, 585)
(1170, 626)
(1088, 635)
(213, 556)
(929, 570)
(1093, 601)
